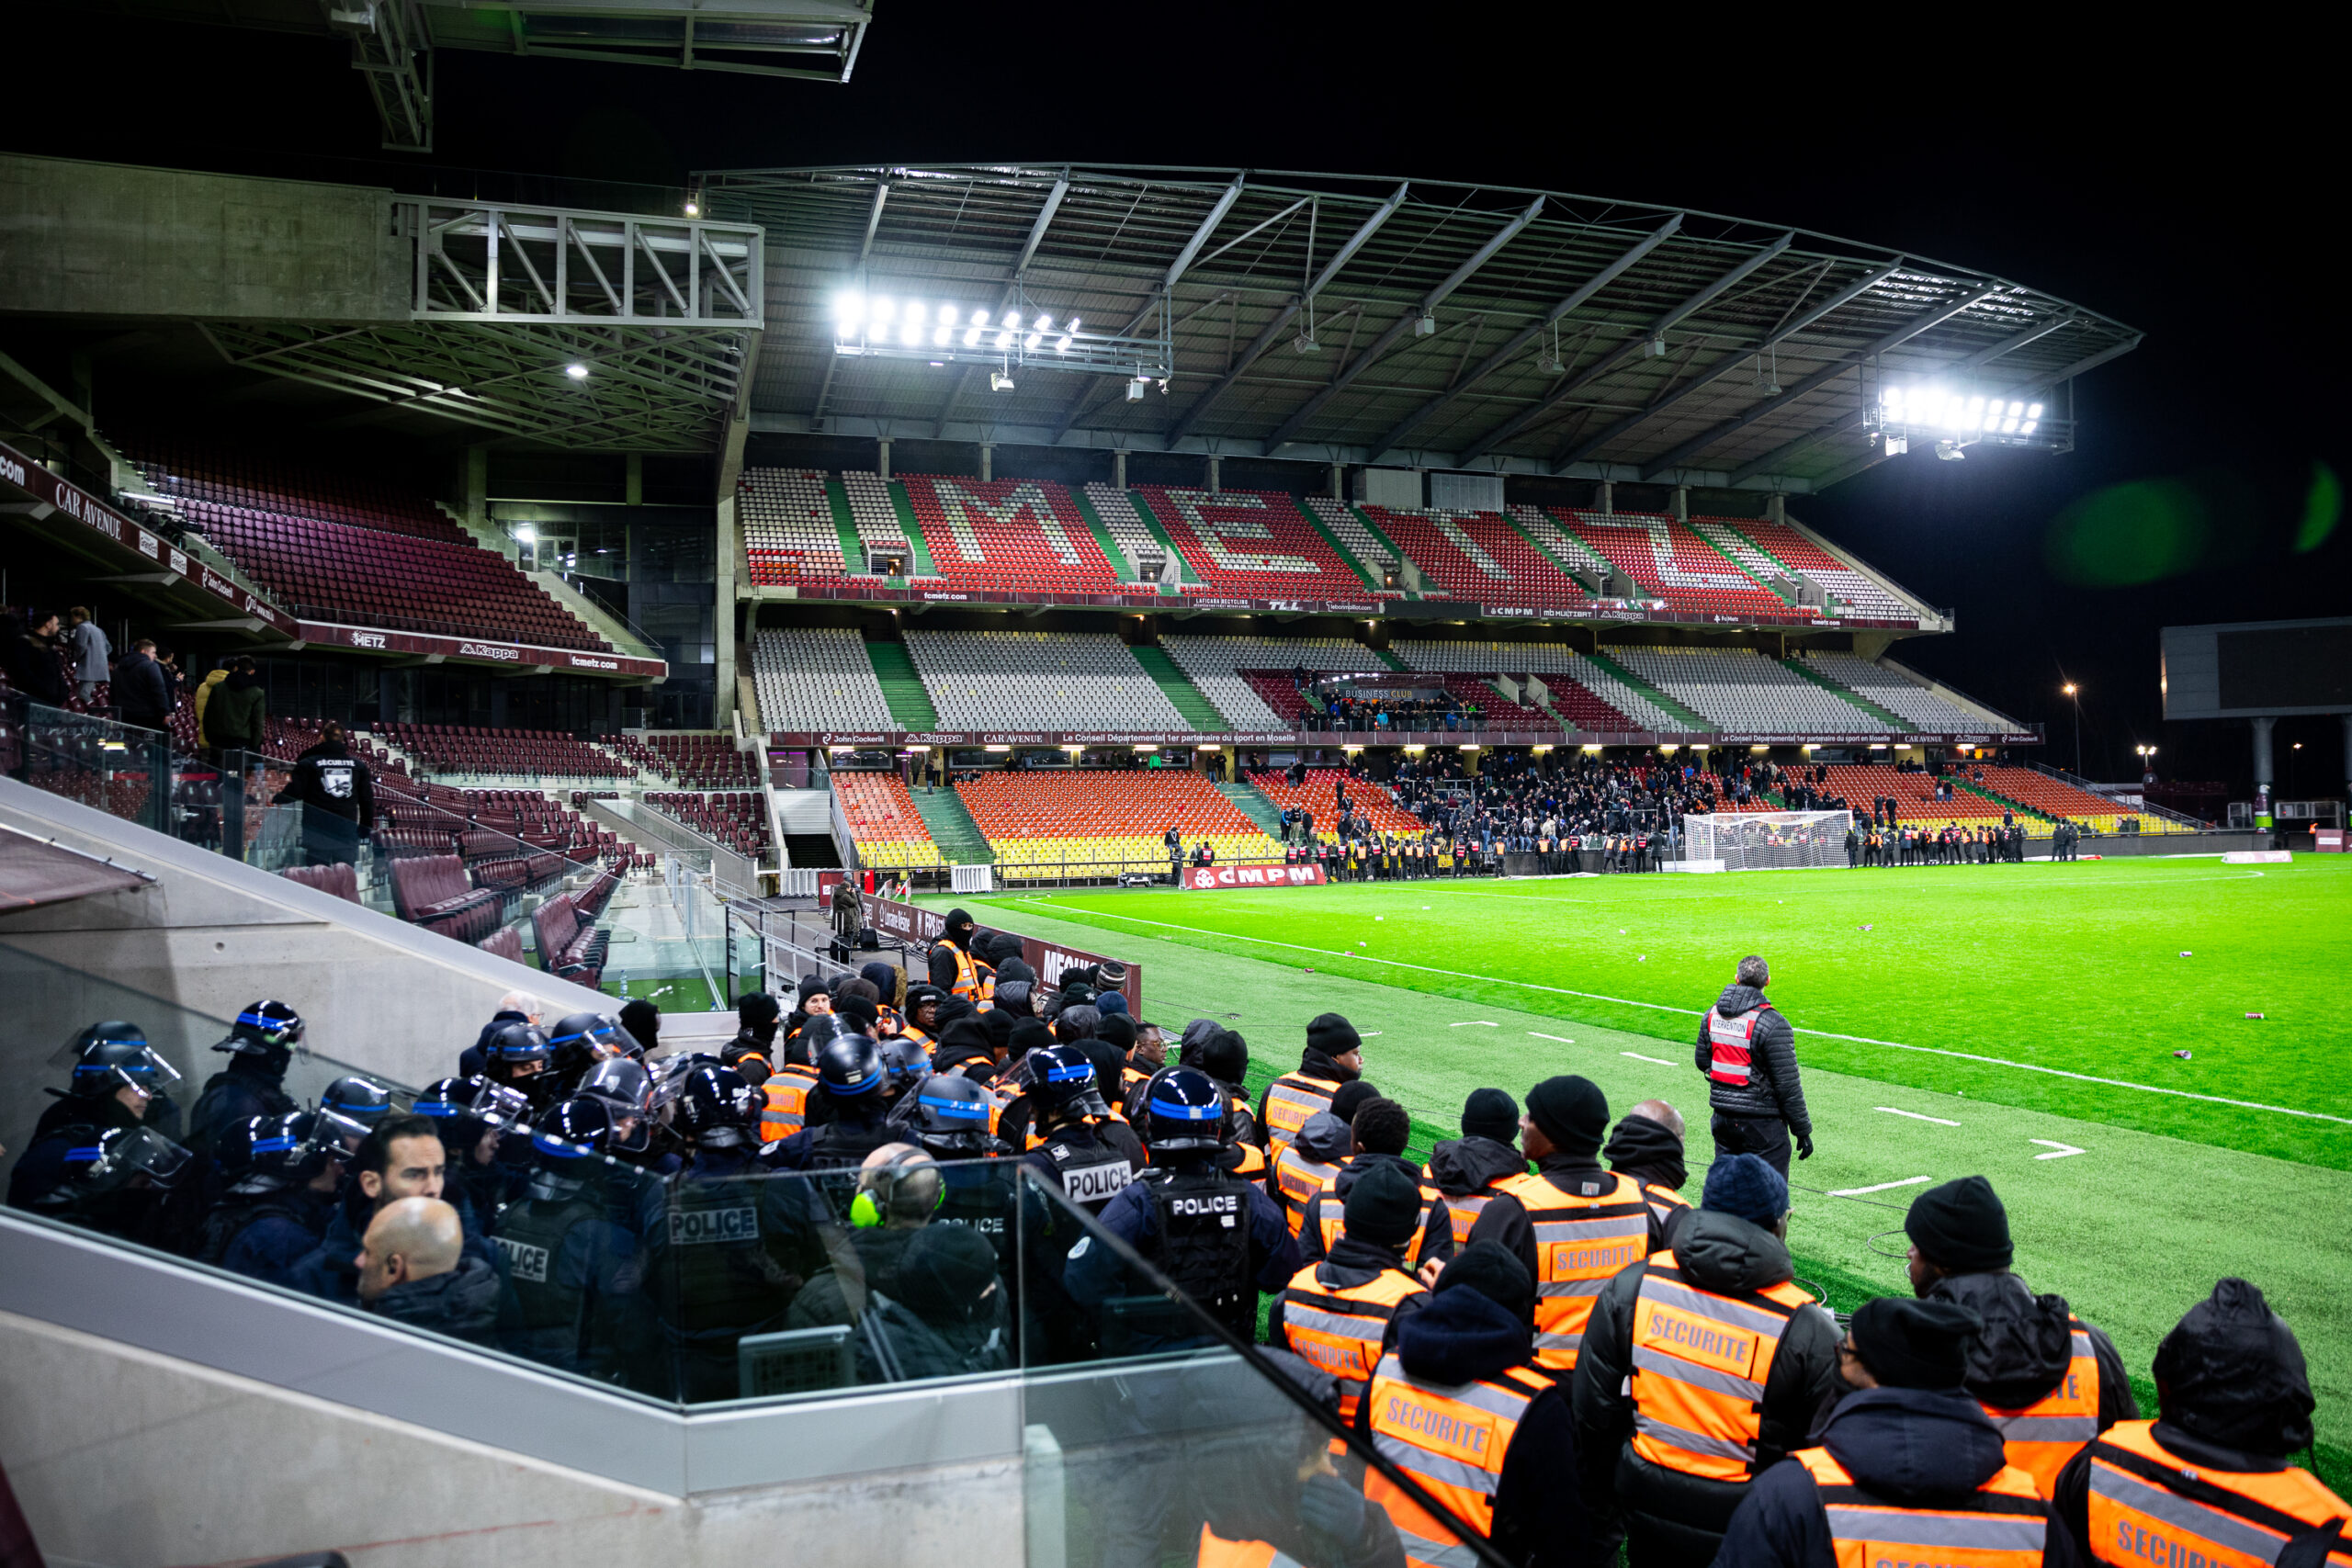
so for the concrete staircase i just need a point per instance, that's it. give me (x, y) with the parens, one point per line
(901, 687)
(1255, 806)
(1188, 699)
(586, 611)
(952, 829)
(1685, 715)
(1888, 716)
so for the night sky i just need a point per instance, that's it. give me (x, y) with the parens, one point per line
(2183, 189)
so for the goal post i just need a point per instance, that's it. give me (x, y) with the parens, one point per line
(1760, 840)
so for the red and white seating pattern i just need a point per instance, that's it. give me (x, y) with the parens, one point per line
(1860, 594)
(1580, 557)
(1348, 527)
(1562, 669)
(1478, 556)
(1736, 545)
(1252, 544)
(788, 524)
(1128, 530)
(1742, 692)
(1214, 665)
(1674, 564)
(879, 526)
(1009, 533)
(1897, 694)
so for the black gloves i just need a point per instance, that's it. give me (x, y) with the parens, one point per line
(1804, 1145)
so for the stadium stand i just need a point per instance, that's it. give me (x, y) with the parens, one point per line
(1582, 692)
(1103, 818)
(533, 753)
(1478, 556)
(1727, 538)
(568, 948)
(1215, 664)
(1252, 544)
(338, 548)
(883, 822)
(343, 881)
(995, 680)
(701, 762)
(1670, 562)
(1743, 693)
(1347, 526)
(2038, 791)
(738, 820)
(818, 678)
(1320, 795)
(1580, 559)
(787, 523)
(993, 534)
(1127, 528)
(875, 518)
(1860, 594)
(1893, 693)
(434, 892)
(1858, 784)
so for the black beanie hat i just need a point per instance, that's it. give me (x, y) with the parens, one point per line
(2231, 1372)
(1351, 1095)
(888, 978)
(860, 1011)
(1332, 1035)
(1961, 1226)
(813, 985)
(1383, 1205)
(1491, 1269)
(1225, 1057)
(1571, 1111)
(1029, 1034)
(1490, 1113)
(1116, 1029)
(1908, 1343)
(997, 1024)
(758, 1006)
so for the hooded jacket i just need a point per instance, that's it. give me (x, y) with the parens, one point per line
(1910, 1447)
(1437, 1230)
(237, 714)
(202, 698)
(2028, 1344)
(1460, 1166)
(1727, 1255)
(1312, 1064)
(1461, 1336)
(461, 1303)
(1772, 1088)
(1650, 1153)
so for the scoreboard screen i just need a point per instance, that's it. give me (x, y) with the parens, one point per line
(2283, 667)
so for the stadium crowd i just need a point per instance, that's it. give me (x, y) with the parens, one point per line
(1535, 1330)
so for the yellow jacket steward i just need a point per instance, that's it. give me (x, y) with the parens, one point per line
(1452, 1441)
(2152, 1508)
(2002, 1524)
(1343, 1320)
(1573, 1241)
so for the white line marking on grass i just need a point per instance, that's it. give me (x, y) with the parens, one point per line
(1639, 1058)
(1561, 1038)
(2063, 1149)
(1882, 1187)
(1475, 1023)
(1915, 1116)
(1688, 1012)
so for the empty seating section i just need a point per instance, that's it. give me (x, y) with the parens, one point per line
(1582, 692)
(1478, 556)
(1670, 562)
(568, 948)
(883, 822)
(516, 824)
(740, 822)
(434, 892)
(787, 523)
(877, 520)
(1895, 692)
(1347, 529)
(1252, 544)
(1278, 690)
(1727, 538)
(1858, 785)
(355, 550)
(1128, 530)
(1008, 533)
(1860, 594)
(1582, 560)
(1743, 693)
(1321, 795)
(704, 762)
(2056, 797)
(1100, 818)
(1037, 681)
(343, 881)
(818, 678)
(1213, 664)
(536, 753)
(628, 747)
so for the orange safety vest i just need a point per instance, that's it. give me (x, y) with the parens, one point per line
(2151, 1510)
(2002, 1524)
(788, 1108)
(2040, 1437)
(1701, 1362)
(1330, 1215)
(1729, 1039)
(1252, 1164)
(967, 973)
(1342, 1330)
(1463, 1210)
(1663, 1200)
(1452, 1441)
(1296, 1181)
(1289, 1100)
(1219, 1553)
(1579, 1243)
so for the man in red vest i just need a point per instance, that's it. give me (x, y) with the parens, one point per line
(1748, 1054)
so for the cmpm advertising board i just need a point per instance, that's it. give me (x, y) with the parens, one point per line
(2257, 669)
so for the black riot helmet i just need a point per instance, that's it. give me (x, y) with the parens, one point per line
(850, 1067)
(116, 1159)
(111, 1055)
(518, 1053)
(717, 1108)
(268, 1030)
(903, 1062)
(1184, 1108)
(948, 1115)
(626, 1089)
(1062, 1077)
(268, 1154)
(581, 1040)
(357, 1098)
(573, 1133)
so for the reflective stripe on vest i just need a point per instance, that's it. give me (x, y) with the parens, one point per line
(1340, 1330)
(2002, 1524)
(967, 973)
(2149, 1510)
(1289, 1100)
(1330, 1215)
(1701, 1362)
(1452, 1440)
(787, 1103)
(1729, 1039)
(2040, 1437)
(1663, 1200)
(1216, 1552)
(1579, 1243)
(1296, 1180)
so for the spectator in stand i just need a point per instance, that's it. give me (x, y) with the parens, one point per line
(91, 653)
(142, 687)
(34, 667)
(238, 717)
(337, 793)
(202, 698)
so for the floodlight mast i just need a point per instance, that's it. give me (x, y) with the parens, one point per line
(888, 326)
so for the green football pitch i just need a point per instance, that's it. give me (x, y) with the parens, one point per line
(2079, 1033)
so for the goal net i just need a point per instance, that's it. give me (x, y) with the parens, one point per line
(1758, 840)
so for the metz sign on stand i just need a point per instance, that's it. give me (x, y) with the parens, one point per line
(1212, 878)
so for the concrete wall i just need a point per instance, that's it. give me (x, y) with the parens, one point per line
(113, 239)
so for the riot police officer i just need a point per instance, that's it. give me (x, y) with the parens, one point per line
(473, 1116)
(117, 1079)
(575, 1254)
(580, 1041)
(626, 1089)
(851, 1077)
(947, 1115)
(715, 1276)
(115, 1184)
(282, 1173)
(260, 1047)
(518, 1056)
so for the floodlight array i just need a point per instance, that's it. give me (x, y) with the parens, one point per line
(902, 328)
(1931, 407)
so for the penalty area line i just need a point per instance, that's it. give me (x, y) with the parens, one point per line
(1686, 1012)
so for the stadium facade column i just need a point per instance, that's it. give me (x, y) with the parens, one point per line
(723, 614)
(1119, 470)
(882, 457)
(1607, 498)
(1215, 485)
(478, 485)
(988, 462)
(1682, 503)
(1777, 508)
(2262, 773)
(1339, 482)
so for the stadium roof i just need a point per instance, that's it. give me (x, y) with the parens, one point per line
(1329, 318)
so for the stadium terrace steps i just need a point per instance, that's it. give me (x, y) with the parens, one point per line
(1643, 689)
(1388, 659)
(1188, 699)
(1887, 716)
(902, 687)
(1254, 805)
(1102, 532)
(1519, 526)
(844, 521)
(952, 829)
(1150, 520)
(1339, 548)
(1997, 798)
(901, 504)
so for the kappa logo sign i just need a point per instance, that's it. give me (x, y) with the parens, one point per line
(1211, 878)
(487, 651)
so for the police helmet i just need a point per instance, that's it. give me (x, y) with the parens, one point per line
(517, 1046)
(948, 1114)
(263, 1029)
(117, 1158)
(571, 1131)
(355, 1097)
(904, 1060)
(626, 1089)
(1184, 1108)
(1063, 1078)
(582, 1039)
(108, 1055)
(266, 1153)
(717, 1108)
(849, 1066)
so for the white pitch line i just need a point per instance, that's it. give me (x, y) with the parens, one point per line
(2060, 1150)
(1561, 1038)
(1639, 1058)
(1915, 1116)
(1475, 1023)
(1882, 1187)
(1824, 1034)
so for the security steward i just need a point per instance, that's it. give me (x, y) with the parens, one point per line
(1749, 1053)
(2051, 1382)
(1308, 1164)
(1908, 1470)
(1214, 1234)
(784, 1108)
(1703, 1366)
(753, 1051)
(1648, 1147)
(2211, 1477)
(1570, 1224)
(1225, 1057)
(1467, 1170)
(921, 1023)
(1334, 1055)
(1460, 1407)
(1342, 1313)
(849, 1075)
(954, 967)
(1377, 1134)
